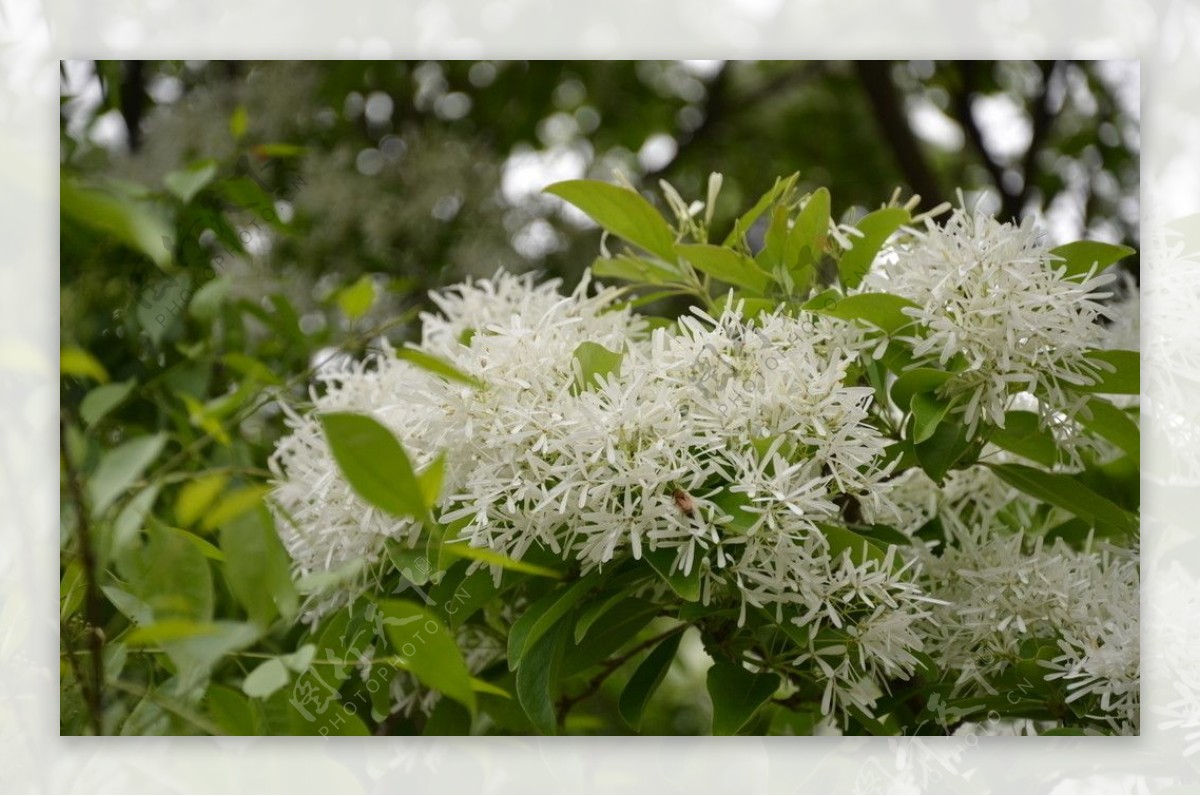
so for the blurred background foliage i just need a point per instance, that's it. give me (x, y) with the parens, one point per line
(227, 227)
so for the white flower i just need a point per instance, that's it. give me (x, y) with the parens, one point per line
(994, 307)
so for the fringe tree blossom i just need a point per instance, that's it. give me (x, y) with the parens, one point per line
(993, 306)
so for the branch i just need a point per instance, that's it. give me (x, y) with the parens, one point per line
(876, 80)
(566, 703)
(93, 606)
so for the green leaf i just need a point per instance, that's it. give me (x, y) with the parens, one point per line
(207, 301)
(1115, 425)
(238, 122)
(861, 548)
(457, 596)
(1079, 257)
(169, 573)
(120, 467)
(197, 655)
(928, 411)
(491, 557)
(1023, 435)
(621, 626)
(258, 568)
(436, 366)
(74, 361)
(233, 712)
(633, 269)
(1068, 493)
(811, 227)
(188, 182)
(622, 212)
(878, 309)
(233, 505)
(541, 616)
(646, 679)
(198, 495)
(663, 561)
(597, 610)
(782, 187)
(916, 381)
(427, 649)
(374, 463)
(736, 694)
(354, 300)
(726, 265)
(135, 223)
(536, 680)
(593, 361)
(102, 400)
(267, 678)
(876, 227)
(945, 448)
(1126, 377)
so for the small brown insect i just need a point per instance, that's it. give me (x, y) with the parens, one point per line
(684, 501)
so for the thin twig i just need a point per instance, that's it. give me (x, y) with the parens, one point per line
(93, 605)
(568, 702)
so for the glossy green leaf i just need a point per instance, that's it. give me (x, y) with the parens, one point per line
(103, 399)
(138, 224)
(374, 463)
(781, 188)
(945, 448)
(646, 679)
(537, 679)
(726, 265)
(436, 366)
(878, 309)
(1124, 379)
(120, 468)
(267, 678)
(427, 649)
(1068, 493)
(614, 630)
(811, 227)
(232, 505)
(593, 361)
(928, 411)
(1114, 424)
(622, 212)
(1023, 435)
(634, 269)
(492, 558)
(876, 228)
(258, 568)
(74, 361)
(861, 548)
(541, 616)
(916, 381)
(663, 561)
(197, 495)
(1079, 257)
(736, 695)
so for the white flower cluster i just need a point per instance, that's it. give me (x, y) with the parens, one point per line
(740, 447)
(723, 442)
(993, 306)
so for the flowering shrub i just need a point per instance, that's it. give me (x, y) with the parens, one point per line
(883, 474)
